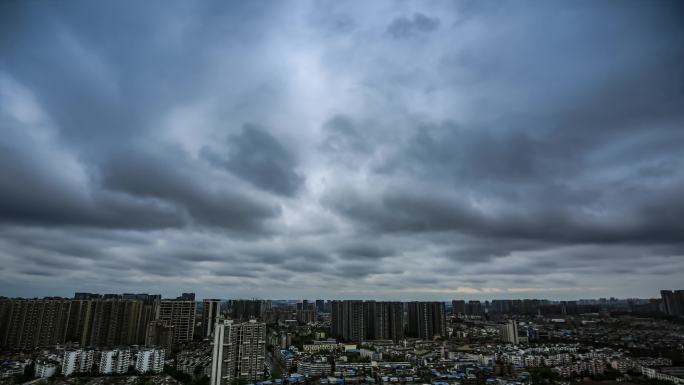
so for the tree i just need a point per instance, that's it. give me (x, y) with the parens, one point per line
(276, 374)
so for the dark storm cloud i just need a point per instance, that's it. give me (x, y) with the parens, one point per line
(32, 192)
(404, 150)
(176, 179)
(255, 155)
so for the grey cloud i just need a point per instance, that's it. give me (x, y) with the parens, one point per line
(255, 155)
(219, 203)
(404, 27)
(482, 145)
(371, 251)
(342, 135)
(33, 193)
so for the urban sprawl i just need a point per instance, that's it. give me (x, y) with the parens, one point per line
(141, 339)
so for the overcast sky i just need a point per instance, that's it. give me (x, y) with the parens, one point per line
(337, 149)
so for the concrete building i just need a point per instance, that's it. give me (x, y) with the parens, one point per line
(77, 361)
(384, 320)
(673, 302)
(458, 307)
(30, 323)
(246, 309)
(509, 332)
(426, 320)
(159, 334)
(315, 368)
(211, 312)
(238, 352)
(348, 322)
(45, 369)
(114, 361)
(474, 308)
(181, 315)
(150, 360)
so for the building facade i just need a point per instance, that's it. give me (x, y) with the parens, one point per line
(239, 351)
(348, 320)
(427, 320)
(181, 315)
(211, 311)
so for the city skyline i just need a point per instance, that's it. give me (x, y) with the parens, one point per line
(81, 295)
(342, 150)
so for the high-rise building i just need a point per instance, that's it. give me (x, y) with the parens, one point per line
(426, 320)
(673, 302)
(181, 315)
(246, 309)
(509, 332)
(474, 308)
(112, 322)
(384, 320)
(31, 323)
(211, 311)
(186, 297)
(306, 312)
(348, 322)
(320, 306)
(87, 296)
(238, 352)
(458, 307)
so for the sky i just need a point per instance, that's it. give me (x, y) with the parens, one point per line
(324, 149)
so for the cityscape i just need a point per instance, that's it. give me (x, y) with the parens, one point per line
(341, 192)
(144, 338)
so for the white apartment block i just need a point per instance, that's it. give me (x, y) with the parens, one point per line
(115, 361)
(77, 361)
(150, 360)
(45, 369)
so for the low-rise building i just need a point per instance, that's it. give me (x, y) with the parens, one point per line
(45, 369)
(150, 360)
(77, 361)
(114, 361)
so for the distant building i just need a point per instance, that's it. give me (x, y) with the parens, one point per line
(239, 351)
(211, 312)
(458, 307)
(509, 332)
(427, 320)
(348, 322)
(246, 309)
(673, 302)
(306, 312)
(474, 308)
(186, 297)
(384, 320)
(181, 315)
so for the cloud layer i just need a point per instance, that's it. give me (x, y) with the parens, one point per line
(324, 149)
